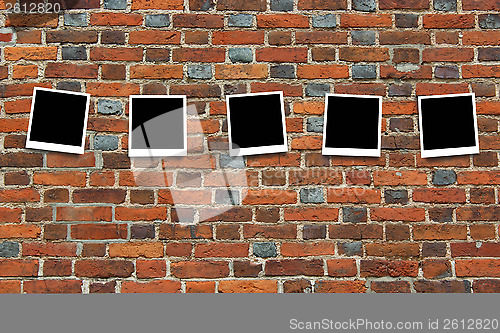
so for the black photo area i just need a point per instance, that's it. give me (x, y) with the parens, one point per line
(352, 122)
(58, 118)
(256, 121)
(157, 123)
(447, 122)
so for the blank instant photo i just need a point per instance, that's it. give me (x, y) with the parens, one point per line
(448, 125)
(58, 120)
(157, 125)
(256, 123)
(352, 125)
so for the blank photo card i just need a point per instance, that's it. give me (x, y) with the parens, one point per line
(58, 120)
(256, 123)
(448, 125)
(157, 125)
(352, 125)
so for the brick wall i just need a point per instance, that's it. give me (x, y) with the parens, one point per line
(310, 223)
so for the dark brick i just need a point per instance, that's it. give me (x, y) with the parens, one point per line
(115, 4)
(246, 269)
(364, 71)
(315, 124)
(311, 195)
(314, 232)
(157, 55)
(441, 214)
(9, 249)
(265, 250)
(396, 196)
(297, 286)
(74, 53)
(401, 125)
(324, 21)
(142, 231)
(444, 177)
(406, 20)
(489, 21)
(317, 89)
(445, 5)
(240, 20)
(433, 250)
(400, 90)
(363, 37)
(354, 214)
(452, 286)
(16, 178)
(157, 20)
(364, 5)
(489, 54)
(282, 5)
(351, 249)
(283, 71)
(69, 86)
(447, 72)
(113, 37)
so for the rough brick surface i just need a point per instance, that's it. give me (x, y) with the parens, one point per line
(303, 222)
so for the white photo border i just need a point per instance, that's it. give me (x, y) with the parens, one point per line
(31, 144)
(448, 151)
(260, 149)
(352, 151)
(150, 152)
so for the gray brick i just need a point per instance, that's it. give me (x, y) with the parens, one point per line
(364, 71)
(315, 124)
(400, 90)
(362, 37)
(235, 162)
(444, 177)
(157, 20)
(311, 195)
(317, 89)
(115, 4)
(240, 20)
(107, 106)
(406, 20)
(75, 20)
(351, 249)
(489, 21)
(396, 196)
(199, 71)
(324, 21)
(106, 142)
(282, 5)
(9, 249)
(227, 197)
(445, 5)
(354, 214)
(283, 71)
(265, 249)
(74, 53)
(70, 86)
(240, 54)
(364, 5)
(447, 72)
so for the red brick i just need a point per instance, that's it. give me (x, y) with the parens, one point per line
(113, 19)
(166, 5)
(71, 36)
(151, 287)
(18, 267)
(62, 160)
(295, 21)
(288, 89)
(311, 214)
(53, 287)
(151, 268)
(340, 287)
(307, 249)
(439, 232)
(480, 5)
(448, 21)
(365, 20)
(58, 178)
(147, 37)
(10, 287)
(116, 54)
(19, 195)
(393, 268)
(290, 267)
(404, 37)
(404, 250)
(248, 286)
(404, 4)
(448, 54)
(353, 195)
(198, 21)
(99, 231)
(438, 195)
(241, 72)
(356, 231)
(322, 71)
(490, 213)
(235, 37)
(321, 37)
(472, 71)
(200, 287)
(270, 197)
(49, 249)
(478, 267)
(481, 38)
(112, 89)
(58, 70)
(282, 54)
(103, 268)
(270, 231)
(30, 53)
(322, 4)
(32, 20)
(135, 250)
(200, 269)
(356, 54)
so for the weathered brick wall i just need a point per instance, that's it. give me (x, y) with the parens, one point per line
(399, 223)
